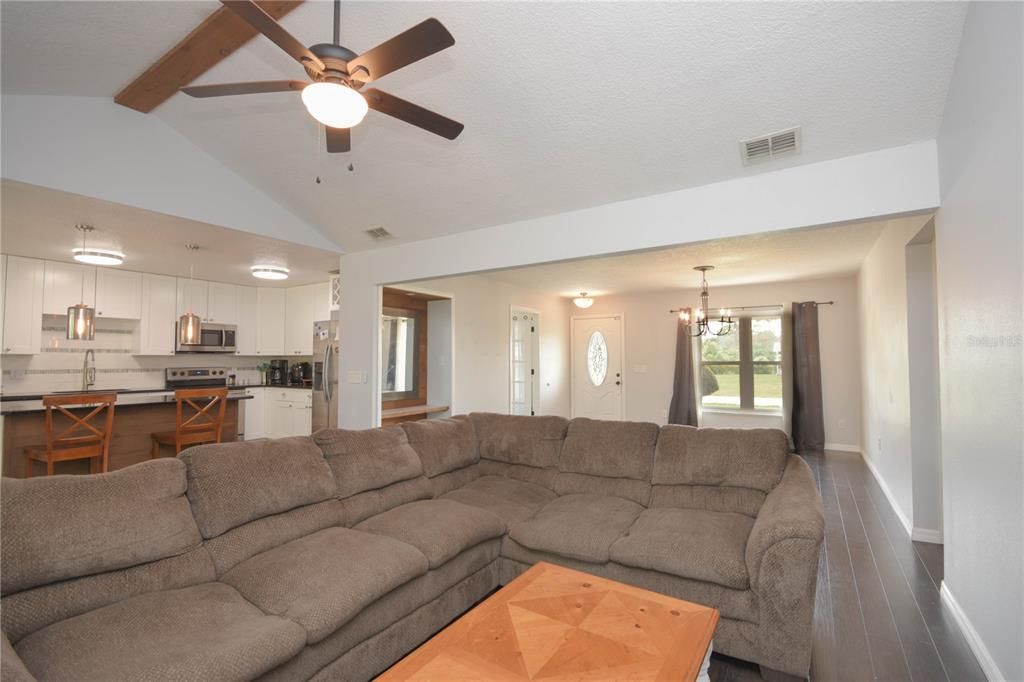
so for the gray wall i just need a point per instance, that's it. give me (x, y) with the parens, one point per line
(979, 274)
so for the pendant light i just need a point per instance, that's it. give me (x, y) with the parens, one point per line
(702, 318)
(81, 318)
(189, 324)
(95, 255)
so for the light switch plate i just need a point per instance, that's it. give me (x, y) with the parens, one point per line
(640, 369)
(356, 377)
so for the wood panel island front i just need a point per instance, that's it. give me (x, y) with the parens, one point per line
(137, 414)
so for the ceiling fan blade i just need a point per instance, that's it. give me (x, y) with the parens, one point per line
(254, 88)
(412, 113)
(422, 40)
(254, 15)
(338, 139)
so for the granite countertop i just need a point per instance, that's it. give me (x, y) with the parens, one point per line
(34, 403)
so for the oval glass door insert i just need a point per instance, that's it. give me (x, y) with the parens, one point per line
(597, 358)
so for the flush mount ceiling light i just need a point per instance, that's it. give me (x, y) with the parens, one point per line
(334, 104)
(583, 301)
(93, 255)
(269, 272)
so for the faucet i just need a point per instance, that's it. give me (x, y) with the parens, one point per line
(88, 371)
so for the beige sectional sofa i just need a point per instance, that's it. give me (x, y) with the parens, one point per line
(331, 557)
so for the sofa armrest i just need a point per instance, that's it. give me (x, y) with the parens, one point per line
(791, 511)
(12, 669)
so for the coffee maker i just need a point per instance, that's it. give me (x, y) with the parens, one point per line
(277, 375)
(300, 374)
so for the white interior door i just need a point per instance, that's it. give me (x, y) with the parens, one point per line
(523, 358)
(597, 367)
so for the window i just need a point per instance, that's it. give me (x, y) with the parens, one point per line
(597, 358)
(399, 356)
(743, 369)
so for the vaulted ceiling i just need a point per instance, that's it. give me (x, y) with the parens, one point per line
(566, 105)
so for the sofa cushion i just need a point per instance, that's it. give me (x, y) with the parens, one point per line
(517, 439)
(689, 543)
(61, 527)
(443, 445)
(323, 580)
(577, 526)
(205, 632)
(372, 502)
(441, 529)
(738, 458)
(233, 483)
(613, 449)
(509, 499)
(368, 459)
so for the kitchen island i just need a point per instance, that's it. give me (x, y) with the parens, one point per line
(137, 414)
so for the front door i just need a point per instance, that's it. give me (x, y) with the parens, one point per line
(597, 367)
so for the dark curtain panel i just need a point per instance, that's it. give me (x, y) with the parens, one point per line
(808, 413)
(683, 408)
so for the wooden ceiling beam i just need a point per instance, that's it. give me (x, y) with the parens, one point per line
(215, 38)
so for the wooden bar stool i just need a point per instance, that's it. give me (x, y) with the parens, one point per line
(88, 437)
(203, 425)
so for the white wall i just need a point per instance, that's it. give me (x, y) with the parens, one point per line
(650, 333)
(978, 256)
(480, 313)
(94, 147)
(891, 181)
(885, 373)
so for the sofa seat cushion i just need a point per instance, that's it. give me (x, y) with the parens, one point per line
(441, 529)
(204, 632)
(582, 526)
(689, 543)
(509, 499)
(323, 580)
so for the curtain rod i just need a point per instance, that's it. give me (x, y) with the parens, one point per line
(759, 307)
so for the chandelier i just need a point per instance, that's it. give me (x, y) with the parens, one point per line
(724, 321)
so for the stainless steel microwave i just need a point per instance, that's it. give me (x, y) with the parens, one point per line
(213, 338)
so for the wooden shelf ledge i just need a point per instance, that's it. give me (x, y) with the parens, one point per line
(412, 411)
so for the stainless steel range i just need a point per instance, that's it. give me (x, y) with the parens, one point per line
(195, 377)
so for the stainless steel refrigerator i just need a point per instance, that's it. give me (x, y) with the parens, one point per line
(325, 375)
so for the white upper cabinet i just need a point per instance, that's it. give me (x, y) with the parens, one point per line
(65, 284)
(222, 303)
(23, 305)
(270, 322)
(192, 295)
(321, 301)
(299, 318)
(118, 294)
(247, 321)
(158, 324)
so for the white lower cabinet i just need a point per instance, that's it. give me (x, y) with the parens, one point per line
(284, 412)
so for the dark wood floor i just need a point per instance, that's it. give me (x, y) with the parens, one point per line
(878, 614)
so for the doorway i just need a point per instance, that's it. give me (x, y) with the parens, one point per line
(923, 364)
(524, 356)
(597, 367)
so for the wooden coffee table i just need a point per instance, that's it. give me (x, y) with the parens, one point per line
(553, 623)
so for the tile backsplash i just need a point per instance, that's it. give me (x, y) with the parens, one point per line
(58, 365)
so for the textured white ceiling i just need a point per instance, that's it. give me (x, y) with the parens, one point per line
(566, 105)
(756, 259)
(39, 223)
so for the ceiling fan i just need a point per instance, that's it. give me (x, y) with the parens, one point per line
(335, 97)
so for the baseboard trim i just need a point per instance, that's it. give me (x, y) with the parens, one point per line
(909, 527)
(842, 447)
(926, 535)
(985, 660)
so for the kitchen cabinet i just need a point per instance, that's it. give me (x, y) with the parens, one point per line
(289, 412)
(158, 323)
(192, 296)
(247, 321)
(118, 294)
(300, 314)
(321, 301)
(222, 303)
(23, 305)
(65, 284)
(270, 327)
(255, 419)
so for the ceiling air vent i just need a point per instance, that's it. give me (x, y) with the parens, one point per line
(378, 233)
(781, 143)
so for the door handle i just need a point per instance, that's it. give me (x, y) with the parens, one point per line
(326, 376)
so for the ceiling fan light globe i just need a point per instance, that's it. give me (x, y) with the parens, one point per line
(333, 104)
